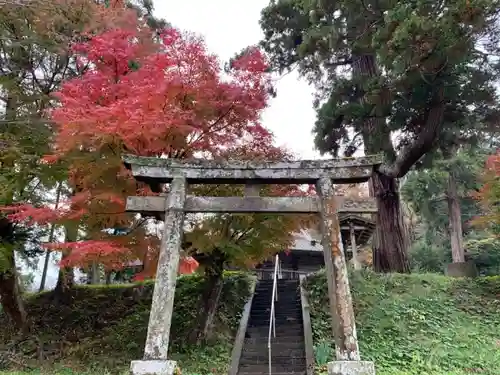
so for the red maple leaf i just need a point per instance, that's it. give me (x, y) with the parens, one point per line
(168, 97)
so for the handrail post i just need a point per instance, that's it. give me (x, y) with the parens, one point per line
(274, 323)
(272, 315)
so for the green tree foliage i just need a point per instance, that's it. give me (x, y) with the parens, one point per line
(35, 57)
(242, 241)
(425, 191)
(31, 66)
(396, 77)
(487, 247)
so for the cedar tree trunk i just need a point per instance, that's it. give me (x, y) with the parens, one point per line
(390, 243)
(390, 239)
(455, 224)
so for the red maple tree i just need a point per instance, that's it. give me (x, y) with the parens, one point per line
(489, 194)
(162, 97)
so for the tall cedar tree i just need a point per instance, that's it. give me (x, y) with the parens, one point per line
(440, 197)
(418, 70)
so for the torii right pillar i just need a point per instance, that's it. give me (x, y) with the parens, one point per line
(348, 360)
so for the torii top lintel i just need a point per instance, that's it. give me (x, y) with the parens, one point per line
(340, 171)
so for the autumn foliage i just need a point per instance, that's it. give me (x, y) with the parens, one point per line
(489, 194)
(153, 95)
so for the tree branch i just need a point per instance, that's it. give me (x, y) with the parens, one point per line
(424, 141)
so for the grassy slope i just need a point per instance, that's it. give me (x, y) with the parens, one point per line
(99, 330)
(409, 325)
(418, 324)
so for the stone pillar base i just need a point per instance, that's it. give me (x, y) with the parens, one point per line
(351, 368)
(465, 269)
(152, 367)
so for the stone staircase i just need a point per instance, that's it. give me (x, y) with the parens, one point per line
(288, 348)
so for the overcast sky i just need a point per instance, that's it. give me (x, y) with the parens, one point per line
(230, 25)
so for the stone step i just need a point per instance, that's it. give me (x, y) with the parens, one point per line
(289, 325)
(262, 331)
(281, 295)
(280, 286)
(288, 316)
(280, 320)
(262, 351)
(276, 360)
(280, 291)
(281, 313)
(279, 335)
(256, 327)
(278, 306)
(292, 326)
(289, 310)
(278, 309)
(266, 303)
(289, 342)
(275, 368)
(280, 281)
(264, 325)
(295, 309)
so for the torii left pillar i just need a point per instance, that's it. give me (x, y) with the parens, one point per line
(155, 360)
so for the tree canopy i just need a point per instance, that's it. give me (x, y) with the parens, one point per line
(396, 78)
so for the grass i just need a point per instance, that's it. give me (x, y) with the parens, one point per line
(100, 329)
(417, 324)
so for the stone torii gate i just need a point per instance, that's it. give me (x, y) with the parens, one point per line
(323, 173)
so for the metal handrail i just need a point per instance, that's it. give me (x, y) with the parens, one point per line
(272, 317)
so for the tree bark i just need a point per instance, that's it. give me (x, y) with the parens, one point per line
(66, 278)
(210, 298)
(94, 277)
(10, 294)
(390, 243)
(455, 221)
(214, 291)
(390, 240)
(46, 261)
(108, 276)
(51, 239)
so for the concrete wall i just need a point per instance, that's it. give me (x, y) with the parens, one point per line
(240, 335)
